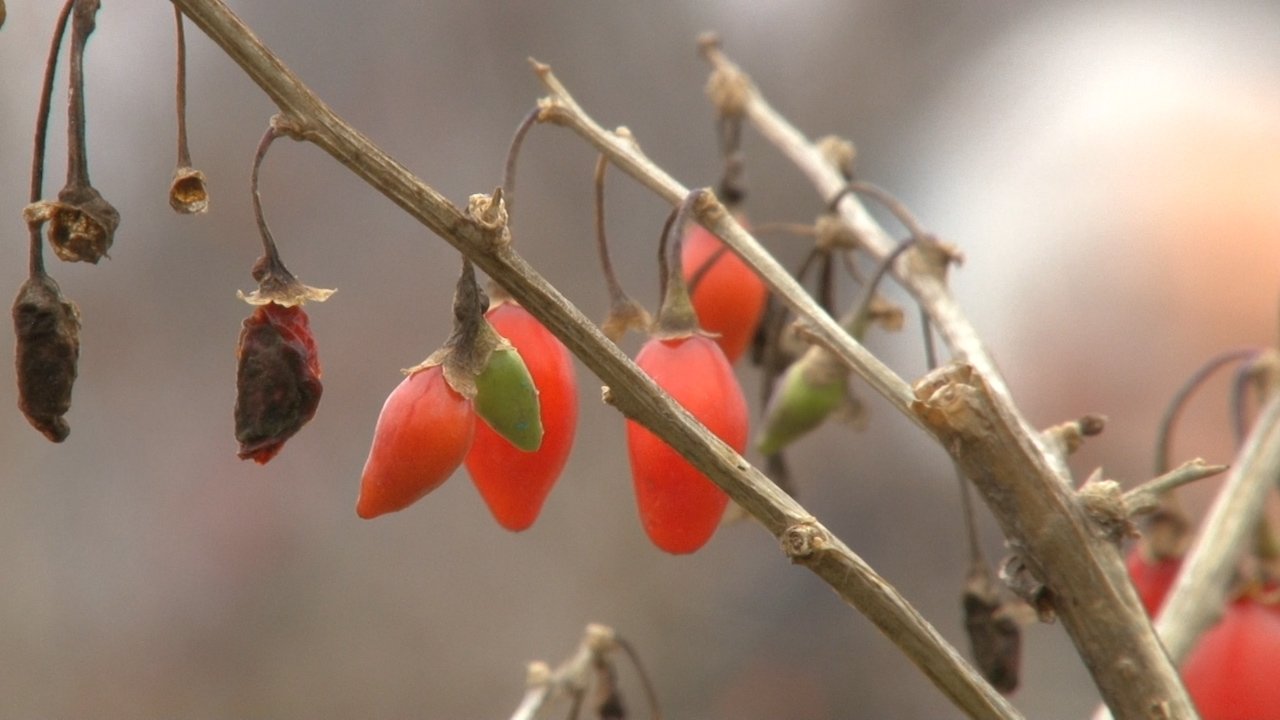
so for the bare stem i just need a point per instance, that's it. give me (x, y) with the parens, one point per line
(269, 250)
(46, 101)
(513, 158)
(36, 254)
(617, 296)
(180, 93)
(885, 198)
(83, 22)
(1171, 414)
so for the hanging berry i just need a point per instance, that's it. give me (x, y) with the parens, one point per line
(48, 348)
(1230, 674)
(278, 370)
(727, 294)
(46, 324)
(423, 433)
(680, 507)
(515, 483)
(427, 425)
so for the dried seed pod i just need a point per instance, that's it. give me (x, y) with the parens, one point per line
(82, 225)
(278, 379)
(48, 330)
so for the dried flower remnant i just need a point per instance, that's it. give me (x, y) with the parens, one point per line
(48, 346)
(81, 223)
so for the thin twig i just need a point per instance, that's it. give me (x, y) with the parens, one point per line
(1146, 497)
(180, 91)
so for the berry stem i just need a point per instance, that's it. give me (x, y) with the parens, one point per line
(513, 155)
(676, 316)
(617, 296)
(1172, 413)
(83, 22)
(271, 256)
(180, 94)
(885, 199)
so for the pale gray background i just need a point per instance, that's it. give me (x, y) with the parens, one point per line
(1110, 171)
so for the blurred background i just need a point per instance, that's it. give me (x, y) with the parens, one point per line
(1110, 170)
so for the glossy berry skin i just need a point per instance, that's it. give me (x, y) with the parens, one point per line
(728, 296)
(679, 507)
(514, 483)
(1231, 673)
(1152, 578)
(423, 433)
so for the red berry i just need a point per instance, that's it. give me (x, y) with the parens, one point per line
(680, 507)
(277, 379)
(423, 433)
(1231, 674)
(1153, 578)
(728, 296)
(514, 483)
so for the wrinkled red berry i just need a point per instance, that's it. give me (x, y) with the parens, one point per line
(278, 379)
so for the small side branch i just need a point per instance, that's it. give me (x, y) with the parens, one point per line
(1071, 566)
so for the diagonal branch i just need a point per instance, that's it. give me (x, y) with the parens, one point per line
(633, 392)
(1025, 483)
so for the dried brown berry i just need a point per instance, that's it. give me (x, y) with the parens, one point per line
(278, 380)
(48, 330)
(994, 634)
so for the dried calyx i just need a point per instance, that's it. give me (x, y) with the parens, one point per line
(676, 316)
(481, 365)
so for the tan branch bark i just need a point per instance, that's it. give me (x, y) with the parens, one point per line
(1195, 602)
(1025, 483)
(633, 393)
(1075, 560)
